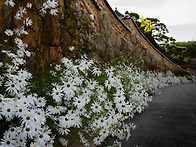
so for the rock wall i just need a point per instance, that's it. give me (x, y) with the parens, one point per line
(123, 38)
(50, 37)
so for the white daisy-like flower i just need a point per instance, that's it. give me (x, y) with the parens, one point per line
(11, 55)
(63, 130)
(18, 61)
(40, 102)
(63, 141)
(86, 64)
(18, 40)
(79, 102)
(96, 71)
(69, 88)
(104, 132)
(98, 140)
(28, 54)
(9, 32)
(52, 3)
(108, 84)
(54, 12)
(102, 97)
(96, 107)
(43, 137)
(57, 93)
(71, 48)
(29, 5)
(12, 87)
(9, 3)
(109, 71)
(58, 67)
(20, 31)
(28, 22)
(8, 110)
(119, 97)
(20, 13)
(7, 141)
(92, 84)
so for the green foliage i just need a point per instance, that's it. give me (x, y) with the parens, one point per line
(191, 47)
(182, 53)
(134, 16)
(153, 29)
(176, 53)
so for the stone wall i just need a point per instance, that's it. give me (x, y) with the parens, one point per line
(123, 38)
(49, 39)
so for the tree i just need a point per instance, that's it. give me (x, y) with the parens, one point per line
(176, 53)
(153, 29)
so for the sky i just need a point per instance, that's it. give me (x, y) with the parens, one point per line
(178, 15)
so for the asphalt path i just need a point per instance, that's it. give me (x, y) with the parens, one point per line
(168, 121)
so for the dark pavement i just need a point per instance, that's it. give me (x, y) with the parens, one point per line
(169, 121)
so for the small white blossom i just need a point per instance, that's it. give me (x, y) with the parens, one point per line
(29, 5)
(9, 32)
(54, 12)
(9, 3)
(71, 48)
(28, 22)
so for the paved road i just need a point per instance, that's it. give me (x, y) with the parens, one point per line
(169, 121)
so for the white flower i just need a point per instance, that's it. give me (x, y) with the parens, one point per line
(12, 87)
(7, 141)
(98, 140)
(28, 22)
(104, 132)
(20, 13)
(92, 84)
(108, 84)
(28, 54)
(96, 71)
(58, 67)
(52, 3)
(20, 31)
(43, 137)
(8, 110)
(9, 32)
(63, 141)
(102, 97)
(18, 61)
(57, 93)
(109, 71)
(11, 55)
(41, 102)
(79, 102)
(18, 41)
(96, 107)
(9, 3)
(86, 64)
(71, 48)
(68, 120)
(119, 97)
(29, 5)
(20, 53)
(54, 12)
(53, 73)
(63, 130)
(69, 88)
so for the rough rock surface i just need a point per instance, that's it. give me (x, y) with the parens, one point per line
(50, 37)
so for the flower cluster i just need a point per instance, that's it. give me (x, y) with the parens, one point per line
(50, 5)
(86, 100)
